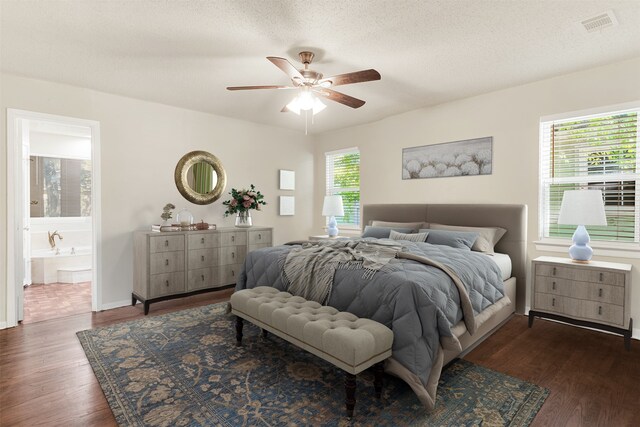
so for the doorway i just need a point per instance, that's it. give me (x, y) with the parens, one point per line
(53, 213)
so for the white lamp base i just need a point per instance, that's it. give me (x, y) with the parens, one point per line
(580, 251)
(332, 227)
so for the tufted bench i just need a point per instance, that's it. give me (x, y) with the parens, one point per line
(348, 342)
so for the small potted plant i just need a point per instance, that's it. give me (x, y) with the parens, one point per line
(166, 216)
(241, 204)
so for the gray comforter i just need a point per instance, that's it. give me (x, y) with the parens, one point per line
(419, 302)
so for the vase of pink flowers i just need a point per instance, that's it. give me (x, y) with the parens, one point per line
(241, 204)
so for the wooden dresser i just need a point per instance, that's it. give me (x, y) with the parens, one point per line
(180, 263)
(596, 295)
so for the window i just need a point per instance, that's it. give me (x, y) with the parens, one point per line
(343, 178)
(60, 187)
(597, 151)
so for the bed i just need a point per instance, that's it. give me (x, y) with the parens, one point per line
(439, 301)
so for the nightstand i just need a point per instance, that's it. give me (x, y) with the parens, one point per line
(596, 295)
(325, 237)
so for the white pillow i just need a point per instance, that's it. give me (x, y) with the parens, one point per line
(413, 237)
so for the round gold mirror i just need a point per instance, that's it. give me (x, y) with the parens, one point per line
(200, 177)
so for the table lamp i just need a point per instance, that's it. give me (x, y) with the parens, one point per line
(332, 207)
(582, 207)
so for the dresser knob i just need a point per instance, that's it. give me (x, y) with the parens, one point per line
(600, 292)
(601, 276)
(202, 258)
(166, 243)
(600, 310)
(167, 283)
(166, 262)
(202, 276)
(233, 273)
(233, 238)
(554, 271)
(259, 236)
(553, 302)
(202, 240)
(553, 286)
(233, 254)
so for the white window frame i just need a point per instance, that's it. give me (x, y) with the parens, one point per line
(602, 248)
(330, 189)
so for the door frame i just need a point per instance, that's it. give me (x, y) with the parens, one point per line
(15, 206)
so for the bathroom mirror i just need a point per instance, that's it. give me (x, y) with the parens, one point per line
(200, 177)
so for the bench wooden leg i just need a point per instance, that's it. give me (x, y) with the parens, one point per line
(350, 388)
(238, 330)
(378, 370)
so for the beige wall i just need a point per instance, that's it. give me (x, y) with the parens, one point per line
(511, 116)
(141, 143)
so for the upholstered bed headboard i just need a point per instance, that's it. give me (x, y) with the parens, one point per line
(513, 218)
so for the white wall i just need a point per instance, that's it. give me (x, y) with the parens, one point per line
(511, 116)
(141, 142)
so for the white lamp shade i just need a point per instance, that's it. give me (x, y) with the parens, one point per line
(582, 207)
(332, 206)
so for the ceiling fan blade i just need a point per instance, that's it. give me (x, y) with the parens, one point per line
(287, 67)
(258, 87)
(350, 78)
(340, 97)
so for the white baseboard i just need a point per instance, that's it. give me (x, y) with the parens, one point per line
(3, 325)
(116, 304)
(635, 334)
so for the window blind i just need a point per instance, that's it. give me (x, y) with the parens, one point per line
(343, 178)
(592, 152)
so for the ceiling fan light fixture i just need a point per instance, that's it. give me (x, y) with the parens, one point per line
(326, 84)
(318, 106)
(306, 100)
(294, 106)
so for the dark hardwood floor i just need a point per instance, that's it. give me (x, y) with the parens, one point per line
(45, 378)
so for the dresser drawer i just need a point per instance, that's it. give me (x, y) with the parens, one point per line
(229, 273)
(580, 274)
(233, 238)
(232, 255)
(581, 290)
(201, 258)
(601, 312)
(166, 262)
(166, 284)
(203, 278)
(257, 237)
(549, 302)
(166, 243)
(204, 240)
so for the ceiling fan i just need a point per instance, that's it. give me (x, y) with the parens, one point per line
(312, 83)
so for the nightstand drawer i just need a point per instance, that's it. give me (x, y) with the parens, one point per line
(580, 274)
(166, 262)
(204, 240)
(601, 312)
(260, 237)
(166, 243)
(201, 258)
(581, 290)
(549, 302)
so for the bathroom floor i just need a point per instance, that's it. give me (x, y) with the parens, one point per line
(44, 302)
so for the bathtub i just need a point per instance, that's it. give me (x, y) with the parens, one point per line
(47, 265)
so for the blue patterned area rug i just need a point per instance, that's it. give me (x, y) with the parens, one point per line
(183, 369)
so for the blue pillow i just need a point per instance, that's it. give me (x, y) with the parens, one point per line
(455, 239)
(383, 232)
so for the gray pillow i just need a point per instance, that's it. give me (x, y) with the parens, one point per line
(487, 236)
(382, 232)
(412, 237)
(455, 239)
(395, 225)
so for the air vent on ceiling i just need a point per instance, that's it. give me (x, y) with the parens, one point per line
(600, 22)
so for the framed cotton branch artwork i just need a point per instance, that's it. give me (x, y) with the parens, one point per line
(459, 158)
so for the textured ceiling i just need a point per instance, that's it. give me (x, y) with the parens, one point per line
(427, 51)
